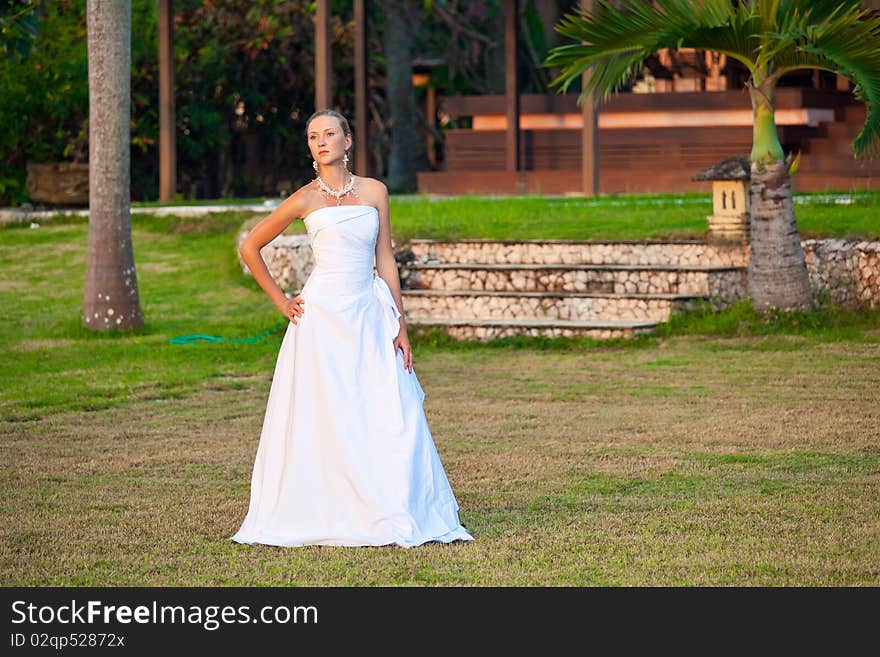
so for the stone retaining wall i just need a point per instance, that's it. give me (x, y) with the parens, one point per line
(681, 254)
(419, 306)
(726, 285)
(289, 259)
(616, 281)
(849, 271)
(488, 332)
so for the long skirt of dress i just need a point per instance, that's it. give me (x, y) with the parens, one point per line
(345, 454)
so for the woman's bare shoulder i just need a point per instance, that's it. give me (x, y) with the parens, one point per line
(303, 200)
(372, 190)
(296, 206)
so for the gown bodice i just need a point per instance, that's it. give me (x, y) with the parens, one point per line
(343, 241)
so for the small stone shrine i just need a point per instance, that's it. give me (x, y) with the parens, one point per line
(730, 200)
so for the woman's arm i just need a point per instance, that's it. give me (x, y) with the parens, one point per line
(259, 236)
(386, 266)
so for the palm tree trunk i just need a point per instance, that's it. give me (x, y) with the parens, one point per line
(777, 270)
(777, 273)
(110, 299)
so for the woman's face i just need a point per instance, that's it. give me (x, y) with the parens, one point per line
(327, 141)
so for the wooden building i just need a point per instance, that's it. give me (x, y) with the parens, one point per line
(689, 110)
(648, 142)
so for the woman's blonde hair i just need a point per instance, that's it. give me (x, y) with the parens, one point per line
(329, 112)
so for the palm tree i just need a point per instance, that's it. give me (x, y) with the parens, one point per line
(771, 38)
(110, 297)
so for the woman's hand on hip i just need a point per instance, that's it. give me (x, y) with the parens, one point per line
(291, 308)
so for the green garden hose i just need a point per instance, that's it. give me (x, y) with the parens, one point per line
(193, 338)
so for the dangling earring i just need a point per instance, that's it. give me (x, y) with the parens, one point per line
(345, 160)
(315, 165)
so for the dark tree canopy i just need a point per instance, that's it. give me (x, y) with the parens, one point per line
(244, 78)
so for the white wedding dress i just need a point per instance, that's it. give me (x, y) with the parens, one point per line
(345, 454)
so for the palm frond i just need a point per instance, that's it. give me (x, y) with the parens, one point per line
(842, 38)
(820, 11)
(613, 40)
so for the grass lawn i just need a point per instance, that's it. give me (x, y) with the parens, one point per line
(611, 217)
(853, 215)
(722, 450)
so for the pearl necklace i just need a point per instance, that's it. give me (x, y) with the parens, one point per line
(326, 189)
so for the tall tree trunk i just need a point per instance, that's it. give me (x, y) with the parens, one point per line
(110, 299)
(407, 146)
(777, 273)
(777, 269)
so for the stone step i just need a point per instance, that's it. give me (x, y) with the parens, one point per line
(486, 329)
(577, 306)
(567, 252)
(609, 279)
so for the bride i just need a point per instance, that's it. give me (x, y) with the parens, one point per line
(345, 454)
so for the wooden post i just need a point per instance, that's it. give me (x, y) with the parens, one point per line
(322, 55)
(511, 92)
(589, 135)
(361, 89)
(167, 120)
(431, 116)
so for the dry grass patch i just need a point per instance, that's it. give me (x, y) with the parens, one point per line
(699, 463)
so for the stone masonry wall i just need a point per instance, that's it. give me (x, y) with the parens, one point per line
(560, 279)
(289, 259)
(572, 253)
(848, 271)
(567, 307)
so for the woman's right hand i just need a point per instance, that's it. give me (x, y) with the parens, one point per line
(291, 308)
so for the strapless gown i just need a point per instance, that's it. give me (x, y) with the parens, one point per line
(345, 454)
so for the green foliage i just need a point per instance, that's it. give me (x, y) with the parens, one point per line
(614, 39)
(18, 27)
(44, 114)
(840, 37)
(244, 84)
(468, 37)
(50, 88)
